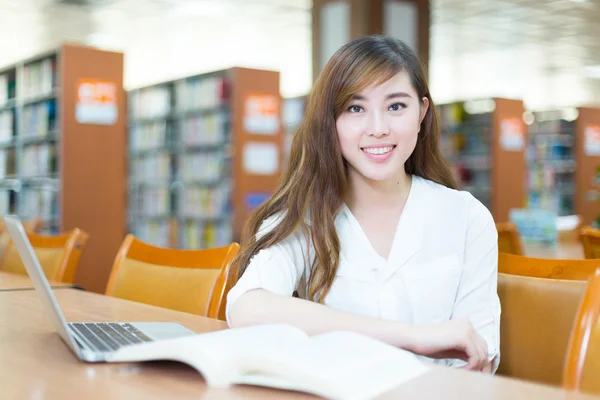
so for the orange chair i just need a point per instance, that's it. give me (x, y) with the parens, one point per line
(509, 240)
(32, 225)
(546, 267)
(590, 238)
(192, 281)
(539, 299)
(582, 369)
(58, 255)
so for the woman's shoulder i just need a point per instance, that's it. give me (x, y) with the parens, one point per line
(455, 199)
(273, 221)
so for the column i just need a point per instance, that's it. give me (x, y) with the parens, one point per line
(336, 22)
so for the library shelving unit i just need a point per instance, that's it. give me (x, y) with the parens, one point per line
(485, 142)
(551, 162)
(204, 151)
(563, 158)
(62, 151)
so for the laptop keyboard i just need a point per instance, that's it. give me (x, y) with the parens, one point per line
(108, 337)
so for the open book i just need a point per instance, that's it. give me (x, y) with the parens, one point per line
(336, 365)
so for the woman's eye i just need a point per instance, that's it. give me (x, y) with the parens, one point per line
(355, 109)
(397, 107)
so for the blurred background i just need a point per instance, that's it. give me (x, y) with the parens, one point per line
(171, 119)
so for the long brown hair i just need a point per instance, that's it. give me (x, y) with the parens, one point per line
(313, 187)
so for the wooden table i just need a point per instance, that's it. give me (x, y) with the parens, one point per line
(12, 281)
(37, 364)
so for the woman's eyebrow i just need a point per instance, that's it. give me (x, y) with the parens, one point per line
(397, 95)
(388, 97)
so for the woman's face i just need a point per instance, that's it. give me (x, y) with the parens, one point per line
(378, 128)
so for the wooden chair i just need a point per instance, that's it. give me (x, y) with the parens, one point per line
(192, 281)
(590, 239)
(509, 240)
(582, 369)
(546, 267)
(539, 299)
(32, 225)
(58, 255)
(535, 325)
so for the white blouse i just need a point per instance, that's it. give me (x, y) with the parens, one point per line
(443, 264)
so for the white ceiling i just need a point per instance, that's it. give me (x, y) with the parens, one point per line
(537, 50)
(165, 39)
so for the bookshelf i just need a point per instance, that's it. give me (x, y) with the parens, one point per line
(62, 149)
(563, 158)
(485, 141)
(204, 151)
(551, 162)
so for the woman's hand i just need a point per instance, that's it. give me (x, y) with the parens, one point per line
(451, 339)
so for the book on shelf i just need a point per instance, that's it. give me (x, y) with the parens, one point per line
(7, 125)
(335, 365)
(466, 143)
(551, 165)
(39, 160)
(5, 202)
(155, 232)
(148, 136)
(39, 78)
(7, 87)
(39, 119)
(204, 129)
(152, 102)
(199, 93)
(196, 233)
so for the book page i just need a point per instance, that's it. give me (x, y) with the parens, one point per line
(345, 365)
(219, 355)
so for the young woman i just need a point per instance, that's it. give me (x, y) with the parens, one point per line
(367, 226)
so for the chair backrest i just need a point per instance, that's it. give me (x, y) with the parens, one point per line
(509, 240)
(184, 280)
(590, 239)
(582, 369)
(32, 225)
(58, 255)
(535, 325)
(546, 267)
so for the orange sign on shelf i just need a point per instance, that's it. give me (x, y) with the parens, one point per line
(512, 134)
(592, 139)
(96, 102)
(261, 114)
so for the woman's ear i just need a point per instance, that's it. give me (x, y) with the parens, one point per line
(424, 108)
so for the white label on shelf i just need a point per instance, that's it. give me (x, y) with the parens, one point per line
(261, 114)
(261, 158)
(96, 102)
(592, 140)
(512, 135)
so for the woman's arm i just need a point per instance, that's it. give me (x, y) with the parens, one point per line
(263, 295)
(457, 337)
(477, 297)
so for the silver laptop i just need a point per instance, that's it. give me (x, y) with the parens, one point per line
(90, 341)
